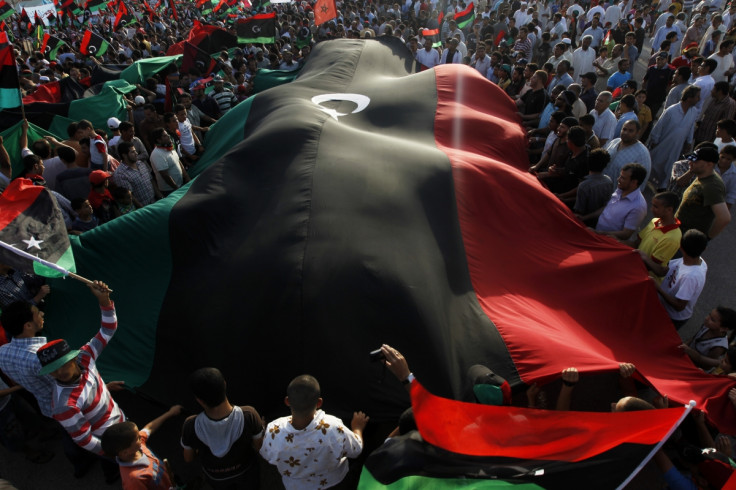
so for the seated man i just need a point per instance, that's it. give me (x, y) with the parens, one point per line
(626, 208)
(660, 240)
(685, 278)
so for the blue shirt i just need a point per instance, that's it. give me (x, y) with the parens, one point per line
(623, 213)
(618, 79)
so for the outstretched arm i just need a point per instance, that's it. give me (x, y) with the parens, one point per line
(570, 378)
(156, 423)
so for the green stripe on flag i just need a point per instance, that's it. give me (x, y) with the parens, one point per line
(66, 261)
(223, 136)
(266, 78)
(256, 40)
(368, 482)
(9, 98)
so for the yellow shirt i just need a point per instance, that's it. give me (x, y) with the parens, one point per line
(660, 242)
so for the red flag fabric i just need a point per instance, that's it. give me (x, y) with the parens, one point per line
(324, 10)
(198, 32)
(528, 300)
(46, 92)
(527, 433)
(195, 57)
(499, 38)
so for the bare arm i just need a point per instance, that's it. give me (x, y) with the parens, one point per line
(676, 303)
(154, 424)
(722, 218)
(623, 235)
(168, 179)
(570, 378)
(713, 359)
(658, 269)
(24, 134)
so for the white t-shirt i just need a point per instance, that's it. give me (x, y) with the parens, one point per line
(186, 138)
(683, 282)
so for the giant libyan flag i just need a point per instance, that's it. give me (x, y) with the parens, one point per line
(366, 203)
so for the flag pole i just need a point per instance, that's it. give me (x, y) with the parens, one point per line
(48, 264)
(688, 408)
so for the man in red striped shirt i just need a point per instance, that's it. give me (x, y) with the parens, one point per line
(81, 401)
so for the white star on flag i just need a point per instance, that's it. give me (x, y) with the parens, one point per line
(33, 243)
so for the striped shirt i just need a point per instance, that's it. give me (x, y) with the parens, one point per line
(86, 409)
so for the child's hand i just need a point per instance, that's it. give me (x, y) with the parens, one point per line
(570, 376)
(360, 420)
(626, 369)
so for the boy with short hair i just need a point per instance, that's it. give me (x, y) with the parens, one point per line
(725, 132)
(85, 220)
(226, 437)
(727, 171)
(685, 278)
(139, 467)
(310, 448)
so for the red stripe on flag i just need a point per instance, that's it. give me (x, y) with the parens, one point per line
(529, 433)
(499, 38)
(562, 296)
(17, 197)
(467, 11)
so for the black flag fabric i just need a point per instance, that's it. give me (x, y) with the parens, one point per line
(366, 203)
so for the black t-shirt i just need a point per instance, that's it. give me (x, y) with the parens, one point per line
(240, 458)
(534, 101)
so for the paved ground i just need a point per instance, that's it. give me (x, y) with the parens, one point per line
(57, 474)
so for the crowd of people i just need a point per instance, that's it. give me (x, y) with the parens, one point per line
(609, 123)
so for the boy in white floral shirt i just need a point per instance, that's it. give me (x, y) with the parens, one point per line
(310, 448)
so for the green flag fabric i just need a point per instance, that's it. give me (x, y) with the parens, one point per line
(139, 71)
(272, 78)
(11, 141)
(98, 109)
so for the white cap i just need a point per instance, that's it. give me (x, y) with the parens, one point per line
(113, 123)
(139, 100)
(566, 40)
(44, 78)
